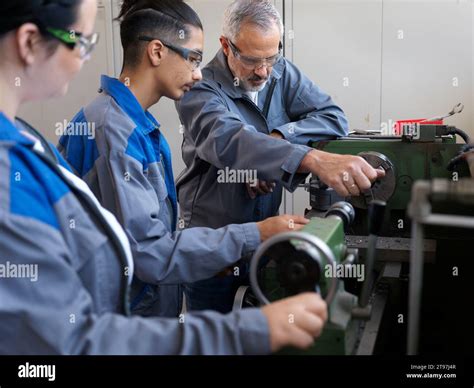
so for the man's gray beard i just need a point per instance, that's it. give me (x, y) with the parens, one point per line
(249, 88)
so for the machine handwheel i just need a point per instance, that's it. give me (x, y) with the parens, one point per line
(314, 246)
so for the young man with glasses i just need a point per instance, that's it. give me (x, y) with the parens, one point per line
(255, 110)
(128, 163)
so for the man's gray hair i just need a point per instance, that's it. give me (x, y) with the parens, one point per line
(261, 13)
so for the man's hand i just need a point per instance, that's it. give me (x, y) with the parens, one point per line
(295, 321)
(347, 174)
(276, 134)
(279, 224)
(260, 188)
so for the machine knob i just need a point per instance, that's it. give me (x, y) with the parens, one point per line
(344, 210)
(382, 189)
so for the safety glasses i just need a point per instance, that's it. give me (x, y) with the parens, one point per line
(193, 57)
(73, 40)
(255, 63)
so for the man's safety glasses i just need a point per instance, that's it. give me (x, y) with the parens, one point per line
(193, 57)
(255, 63)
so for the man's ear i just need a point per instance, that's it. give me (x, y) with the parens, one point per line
(224, 45)
(27, 39)
(155, 52)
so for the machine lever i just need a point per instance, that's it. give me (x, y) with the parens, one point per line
(376, 216)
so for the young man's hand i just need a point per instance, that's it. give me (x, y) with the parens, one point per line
(295, 321)
(347, 174)
(279, 224)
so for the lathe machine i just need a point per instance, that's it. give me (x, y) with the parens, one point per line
(362, 252)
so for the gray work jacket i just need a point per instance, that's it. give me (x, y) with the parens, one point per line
(65, 271)
(224, 131)
(123, 166)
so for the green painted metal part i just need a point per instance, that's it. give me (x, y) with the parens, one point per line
(331, 231)
(412, 160)
(335, 339)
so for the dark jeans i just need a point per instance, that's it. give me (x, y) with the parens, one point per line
(216, 293)
(152, 300)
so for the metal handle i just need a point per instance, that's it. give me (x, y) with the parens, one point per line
(458, 108)
(314, 241)
(376, 216)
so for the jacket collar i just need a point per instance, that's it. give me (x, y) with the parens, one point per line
(128, 102)
(8, 131)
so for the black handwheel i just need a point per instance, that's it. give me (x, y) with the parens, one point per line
(314, 247)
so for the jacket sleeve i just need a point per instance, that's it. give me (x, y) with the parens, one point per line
(160, 256)
(55, 313)
(223, 140)
(314, 115)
